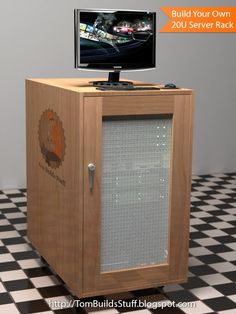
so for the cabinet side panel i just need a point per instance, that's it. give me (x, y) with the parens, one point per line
(54, 173)
(33, 203)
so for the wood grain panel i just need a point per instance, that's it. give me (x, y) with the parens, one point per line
(181, 186)
(92, 199)
(137, 105)
(54, 215)
(84, 85)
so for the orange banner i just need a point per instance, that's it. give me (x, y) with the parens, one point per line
(200, 20)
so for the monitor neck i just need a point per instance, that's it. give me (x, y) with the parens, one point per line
(114, 77)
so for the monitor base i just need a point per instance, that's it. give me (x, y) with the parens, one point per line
(110, 84)
(113, 80)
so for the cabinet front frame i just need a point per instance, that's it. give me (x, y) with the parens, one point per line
(175, 270)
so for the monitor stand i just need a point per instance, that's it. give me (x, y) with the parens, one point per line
(113, 80)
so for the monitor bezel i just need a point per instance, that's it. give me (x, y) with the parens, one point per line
(109, 66)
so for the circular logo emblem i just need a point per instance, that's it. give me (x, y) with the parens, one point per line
(51, 138)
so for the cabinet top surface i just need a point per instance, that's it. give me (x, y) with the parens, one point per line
(84, 85)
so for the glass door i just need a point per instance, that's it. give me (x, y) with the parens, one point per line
(135, 192)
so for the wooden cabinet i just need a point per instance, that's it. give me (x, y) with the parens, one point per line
(109, 180)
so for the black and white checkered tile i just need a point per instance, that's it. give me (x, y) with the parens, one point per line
(212, 262)
(28, 285)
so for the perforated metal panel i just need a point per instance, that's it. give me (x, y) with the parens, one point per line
(135, 192)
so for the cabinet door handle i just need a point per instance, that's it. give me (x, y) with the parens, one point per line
(91, 170)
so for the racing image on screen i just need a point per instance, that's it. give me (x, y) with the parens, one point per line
(116, 38)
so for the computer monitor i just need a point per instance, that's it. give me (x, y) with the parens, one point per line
(114, 40)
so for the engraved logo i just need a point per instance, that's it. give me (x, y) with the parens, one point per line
(51, 138)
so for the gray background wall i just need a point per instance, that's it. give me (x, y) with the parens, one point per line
(36, 40)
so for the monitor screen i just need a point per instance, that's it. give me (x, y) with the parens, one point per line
(114, 39)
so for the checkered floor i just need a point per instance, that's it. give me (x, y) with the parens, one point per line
(28, 285)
